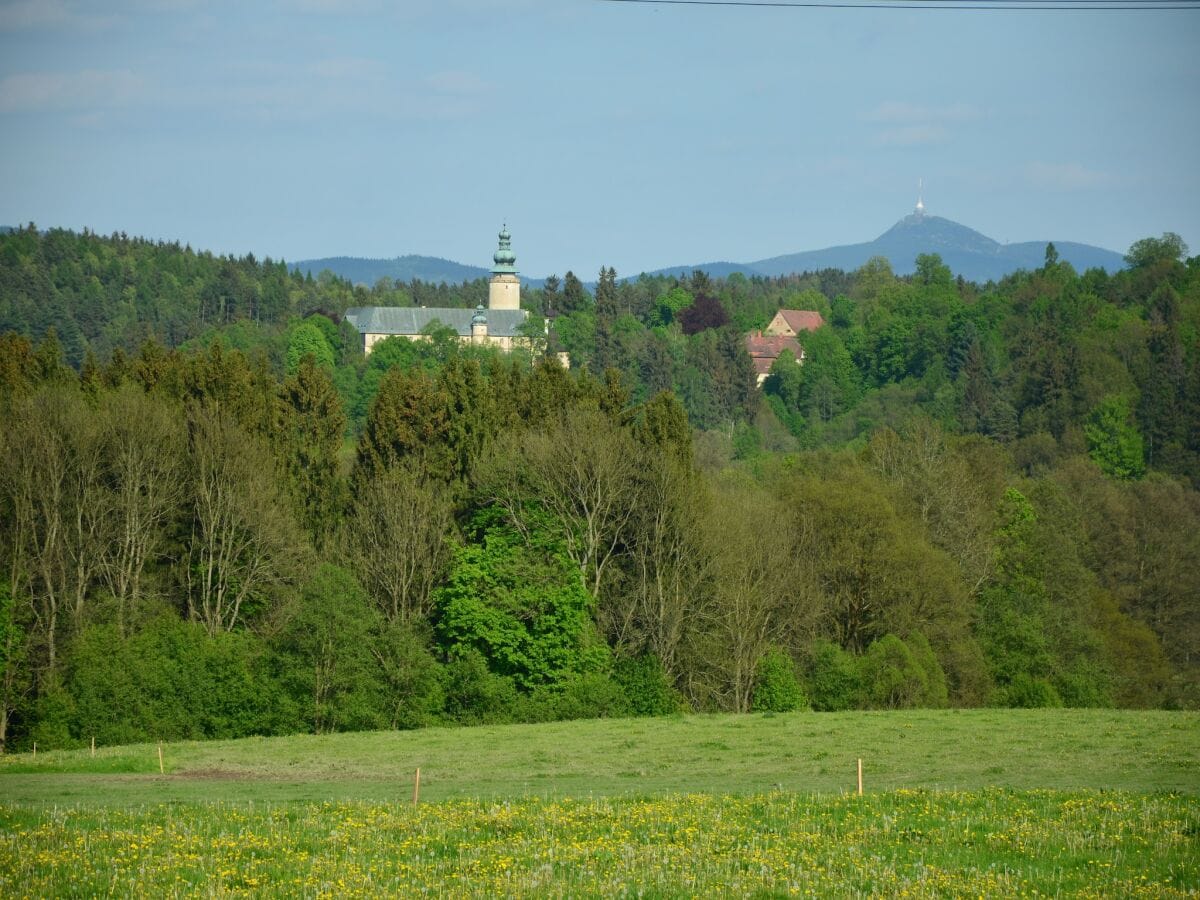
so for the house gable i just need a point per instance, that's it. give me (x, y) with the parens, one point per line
(790, 322)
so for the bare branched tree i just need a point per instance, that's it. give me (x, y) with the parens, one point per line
(51, 472)
(400, 540)
(581, 471)
(667, 565)
(750, 540)
(144, 449)
(244, 541)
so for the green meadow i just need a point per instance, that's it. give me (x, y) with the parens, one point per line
(985, 802)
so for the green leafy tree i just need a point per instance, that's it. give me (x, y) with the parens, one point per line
(171, 680)
(517, 599)
(307, 339)
(1151, 250)
(669, 306)
(409, 420)
(574, 297)
(309, 437)
(1113, 440)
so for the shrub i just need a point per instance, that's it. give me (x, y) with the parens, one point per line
(171, 680)
(833, 677)
(892, 678)
(473, 694)
(1085, 685)
(1027, 692)
(937, 695)
(776, 688)
(593, 695)
(325, 657)
(413, 682)
(647, 690)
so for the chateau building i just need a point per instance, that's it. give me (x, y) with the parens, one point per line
(499, 325)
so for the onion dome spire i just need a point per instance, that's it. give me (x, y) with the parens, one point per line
(504, 258)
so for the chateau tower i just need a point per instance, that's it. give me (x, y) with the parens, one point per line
(479, 326)
(504, 289)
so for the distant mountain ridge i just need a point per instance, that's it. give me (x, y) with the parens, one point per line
(967, 252)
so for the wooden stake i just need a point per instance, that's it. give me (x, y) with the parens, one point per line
(860, 778)
(93, 745)
(35, 749)
(417, 787)
(162, 771)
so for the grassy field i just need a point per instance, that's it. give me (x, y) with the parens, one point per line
(804, 752)
(979, 803)
(981, 844)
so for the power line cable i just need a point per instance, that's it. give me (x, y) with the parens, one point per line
(994, 5)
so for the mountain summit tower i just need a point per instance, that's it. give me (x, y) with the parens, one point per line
(504, 288)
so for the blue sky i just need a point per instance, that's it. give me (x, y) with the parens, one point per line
(603, 133)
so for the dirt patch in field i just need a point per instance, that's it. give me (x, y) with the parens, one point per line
(214, 775)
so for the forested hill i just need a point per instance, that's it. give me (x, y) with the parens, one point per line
(222, 519)
(402, 268)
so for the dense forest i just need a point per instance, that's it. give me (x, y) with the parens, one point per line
(217, 518)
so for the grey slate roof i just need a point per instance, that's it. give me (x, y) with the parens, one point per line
(410, 320)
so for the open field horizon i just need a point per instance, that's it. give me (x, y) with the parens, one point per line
(980, 803)
(811, 753)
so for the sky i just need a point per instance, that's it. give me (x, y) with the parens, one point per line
(636, 136)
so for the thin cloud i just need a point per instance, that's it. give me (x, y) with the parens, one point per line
(914, 125)
(21, 15)
(334, 7)
(457, 82)
(350, 68)
(912, 136)
(909, 114)
(1070, 176)
(86, 90)
(340, 86)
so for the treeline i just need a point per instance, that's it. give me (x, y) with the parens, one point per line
(186, 557)
(966, 496)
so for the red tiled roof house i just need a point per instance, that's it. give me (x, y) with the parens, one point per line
(765, 346)
(791, 322)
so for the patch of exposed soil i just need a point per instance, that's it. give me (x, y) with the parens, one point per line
(214, 775)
